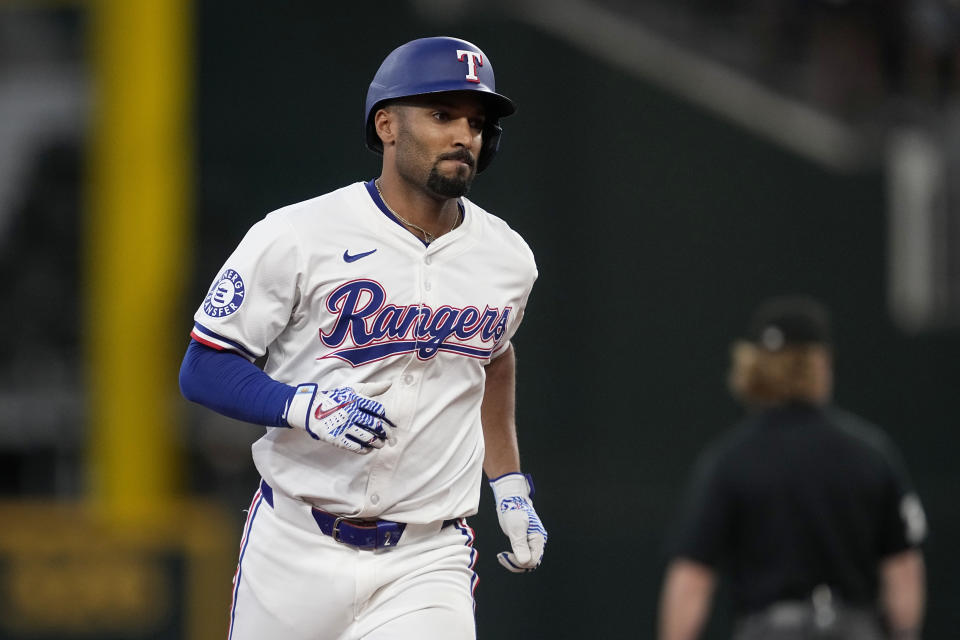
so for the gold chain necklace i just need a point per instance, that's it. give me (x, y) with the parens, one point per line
(427, 236)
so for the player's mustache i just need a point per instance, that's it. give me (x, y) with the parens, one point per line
(461, 156)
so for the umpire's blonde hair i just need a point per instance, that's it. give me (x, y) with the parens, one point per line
(794, 373)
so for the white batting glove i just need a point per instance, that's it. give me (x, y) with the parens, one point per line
(346, 417)
(519, 521)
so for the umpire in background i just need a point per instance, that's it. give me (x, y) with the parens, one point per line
(805, 508)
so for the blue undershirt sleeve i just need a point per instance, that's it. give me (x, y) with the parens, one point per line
(233, 386)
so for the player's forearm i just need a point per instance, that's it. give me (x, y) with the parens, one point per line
(233, 386)
(497, 416)
(903, 594)
(685, 602)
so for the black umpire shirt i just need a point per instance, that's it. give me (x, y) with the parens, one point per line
(795, 497)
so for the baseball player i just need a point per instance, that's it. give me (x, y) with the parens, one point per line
(385, 310)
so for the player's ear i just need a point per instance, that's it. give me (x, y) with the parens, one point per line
(385, 123)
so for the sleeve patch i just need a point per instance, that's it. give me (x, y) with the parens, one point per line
(225, 296)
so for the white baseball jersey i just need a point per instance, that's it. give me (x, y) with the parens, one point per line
(338, 292)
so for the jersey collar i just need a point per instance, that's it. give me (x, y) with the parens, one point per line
(377, 200)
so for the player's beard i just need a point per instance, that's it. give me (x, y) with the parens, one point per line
(452, 186)
(411, 156)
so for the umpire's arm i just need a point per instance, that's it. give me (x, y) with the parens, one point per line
(685, 600)
(903, 593)
(497, 413)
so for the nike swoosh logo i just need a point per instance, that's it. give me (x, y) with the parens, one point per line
(353, 258)
(320, 414)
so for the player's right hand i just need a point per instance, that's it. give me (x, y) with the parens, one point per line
(346, 417)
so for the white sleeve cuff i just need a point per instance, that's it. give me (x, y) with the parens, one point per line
(511, 484)
(298, 411)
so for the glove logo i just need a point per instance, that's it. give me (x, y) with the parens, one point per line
(320, 414)
(225, 296)
(512, 504)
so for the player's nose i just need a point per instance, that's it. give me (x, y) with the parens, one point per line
(463, 133)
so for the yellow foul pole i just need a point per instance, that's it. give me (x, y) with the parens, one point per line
(136, 228)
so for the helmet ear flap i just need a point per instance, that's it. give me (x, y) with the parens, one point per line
(491, 144)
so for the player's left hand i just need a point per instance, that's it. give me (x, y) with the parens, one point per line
(520, 522)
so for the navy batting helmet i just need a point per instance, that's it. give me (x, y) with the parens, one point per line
(438, 65)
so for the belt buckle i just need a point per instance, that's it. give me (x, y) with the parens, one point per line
(335, 534)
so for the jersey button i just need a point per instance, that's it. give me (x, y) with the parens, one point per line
(408, 379)
(375, 498)
(427, 260)
(427, 286)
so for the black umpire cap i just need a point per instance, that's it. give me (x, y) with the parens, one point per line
(790, 321)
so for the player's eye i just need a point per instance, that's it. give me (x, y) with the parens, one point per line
(442, 116)
(476, 124)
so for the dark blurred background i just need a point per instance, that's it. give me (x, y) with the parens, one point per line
(671, 164)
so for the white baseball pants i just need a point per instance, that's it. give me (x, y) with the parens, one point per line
(295, 583)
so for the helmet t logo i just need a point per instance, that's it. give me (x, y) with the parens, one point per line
(473, 60)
